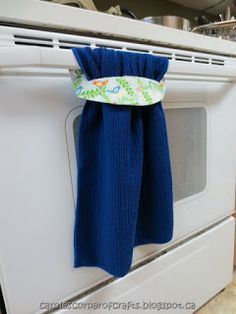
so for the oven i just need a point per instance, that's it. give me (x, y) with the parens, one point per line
(39, 115)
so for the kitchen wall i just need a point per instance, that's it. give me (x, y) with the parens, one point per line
(150, 8)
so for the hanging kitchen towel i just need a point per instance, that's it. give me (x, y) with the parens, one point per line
(124, 193)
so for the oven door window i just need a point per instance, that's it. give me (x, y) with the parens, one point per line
(187, 134)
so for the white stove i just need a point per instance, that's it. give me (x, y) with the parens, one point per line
(38, 114)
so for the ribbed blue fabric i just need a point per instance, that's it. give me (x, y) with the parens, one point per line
(124, 195)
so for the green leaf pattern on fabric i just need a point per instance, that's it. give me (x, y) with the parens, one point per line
(125, 90)
(125, 84)
(147, 97)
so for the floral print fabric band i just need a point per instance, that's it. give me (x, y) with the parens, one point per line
(118, 90)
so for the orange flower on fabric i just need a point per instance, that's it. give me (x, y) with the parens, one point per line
(100, 83)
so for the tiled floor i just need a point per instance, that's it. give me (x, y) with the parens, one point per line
(222, 303)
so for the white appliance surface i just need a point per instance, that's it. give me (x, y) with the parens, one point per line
(45, 14)
(174, 281)
(38, 110)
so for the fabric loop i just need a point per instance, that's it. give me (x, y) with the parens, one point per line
(118, 90)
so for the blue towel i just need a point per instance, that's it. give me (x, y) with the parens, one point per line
(124, 195)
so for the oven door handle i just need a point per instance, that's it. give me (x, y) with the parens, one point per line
(20, 57)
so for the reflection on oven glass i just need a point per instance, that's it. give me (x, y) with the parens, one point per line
(75, 130)
(187, 133)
